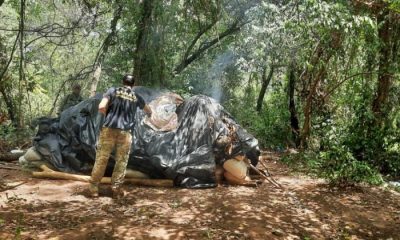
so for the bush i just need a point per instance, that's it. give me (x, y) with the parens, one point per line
(339, 166)
(11, 137)
(270, 126)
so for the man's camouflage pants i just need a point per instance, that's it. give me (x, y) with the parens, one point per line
(109, 140)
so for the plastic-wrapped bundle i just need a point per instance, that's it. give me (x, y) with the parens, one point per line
(179, 142)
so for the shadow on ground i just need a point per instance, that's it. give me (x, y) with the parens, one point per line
(306, 209)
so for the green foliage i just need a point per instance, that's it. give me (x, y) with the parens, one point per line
(270, 126)
(376, 145)
(394, 5)
(351, 151)
(333, 41)
(339, 166)
(11, 137)
(7, 132)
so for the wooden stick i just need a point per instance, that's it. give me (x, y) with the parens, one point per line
(265, 167)
(48, 173)
(269, 179)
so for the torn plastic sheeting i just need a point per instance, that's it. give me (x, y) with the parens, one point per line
(165, 117)
(187, 154)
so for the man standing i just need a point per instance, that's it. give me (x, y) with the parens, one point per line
(119, 106)
(71, 99)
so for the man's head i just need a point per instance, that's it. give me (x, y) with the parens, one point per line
(128, 80)
(76, 89)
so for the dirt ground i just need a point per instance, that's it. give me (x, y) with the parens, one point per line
(306, 209)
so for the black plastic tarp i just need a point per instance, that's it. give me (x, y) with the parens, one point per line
(188, 154)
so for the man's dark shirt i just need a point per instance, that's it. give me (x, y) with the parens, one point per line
(123, 102)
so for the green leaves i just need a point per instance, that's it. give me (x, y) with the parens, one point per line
(394, 5)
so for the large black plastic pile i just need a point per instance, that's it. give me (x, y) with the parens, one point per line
(188, 154)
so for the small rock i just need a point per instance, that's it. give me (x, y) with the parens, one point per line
(278, 232)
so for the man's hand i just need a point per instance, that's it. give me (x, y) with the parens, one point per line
(103, 106)
(147, 110)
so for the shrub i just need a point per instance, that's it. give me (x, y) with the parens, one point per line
(339, 166)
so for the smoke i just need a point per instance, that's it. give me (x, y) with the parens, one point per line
(217, 74)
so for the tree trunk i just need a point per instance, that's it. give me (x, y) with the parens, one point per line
(21, 64)
(95, 79)
(384, 75)
(265, 82)
(9, 104)
(249, 88)
(5, 81)
(149, 65)
(294, 121)
(144, 26)
(108, 41)
(305, 132)
(319, 61)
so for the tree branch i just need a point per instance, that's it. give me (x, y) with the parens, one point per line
(204, 46)
(343, 81)
(197, 37)
(11, 57)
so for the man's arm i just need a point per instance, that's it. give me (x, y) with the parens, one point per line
(142, 105)
(103, 105)
(147, 110)
(107, 97)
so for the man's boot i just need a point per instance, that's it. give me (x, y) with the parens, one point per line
(117, 192)
(93, 190)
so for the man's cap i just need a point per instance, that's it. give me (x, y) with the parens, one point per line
(76, 86)
(128, 79)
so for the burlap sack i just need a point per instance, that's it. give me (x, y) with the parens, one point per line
(236, 168)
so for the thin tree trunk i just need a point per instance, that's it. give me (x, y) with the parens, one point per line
(265, 82)
(104, 49)
(294, 120)
(21, 63)
(249, 89)
(305, 132)
(95, 79)
(320, 60)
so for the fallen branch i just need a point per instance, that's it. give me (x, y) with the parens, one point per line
(9, 157)
(49, 173)
(10, 168)
(12, 187)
